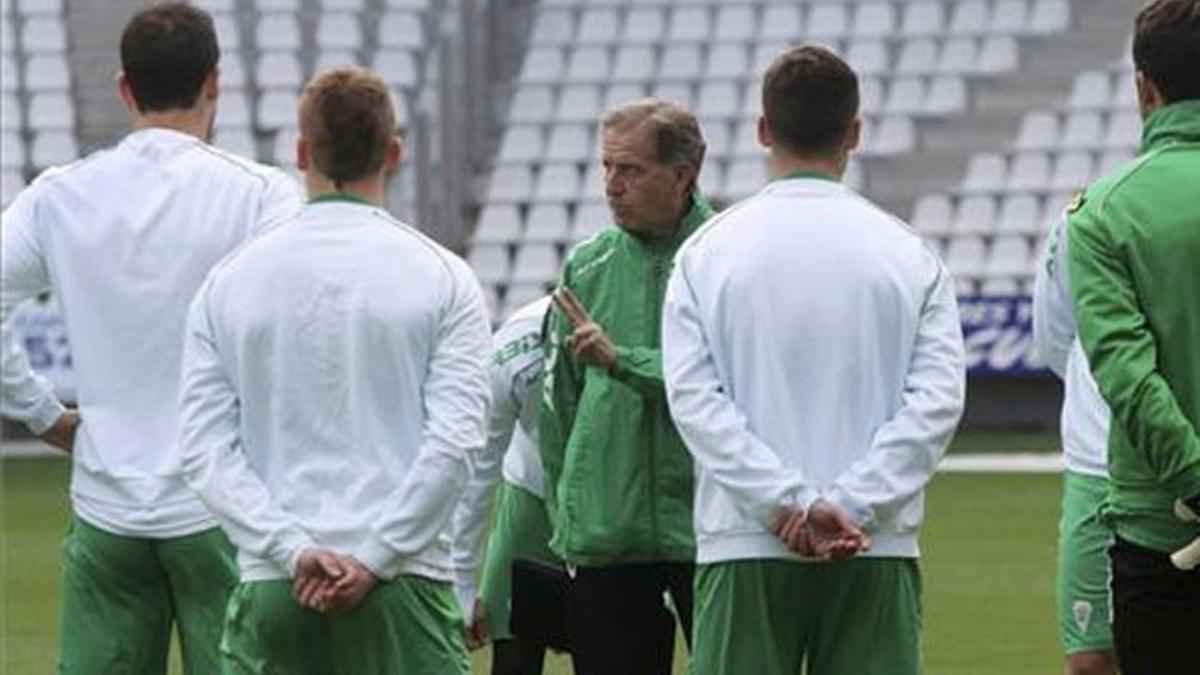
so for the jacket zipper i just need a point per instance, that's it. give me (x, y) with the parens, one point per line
(649, 420)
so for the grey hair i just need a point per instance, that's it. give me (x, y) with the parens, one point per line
(678, 141)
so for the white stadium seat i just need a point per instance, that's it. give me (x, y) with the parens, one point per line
(547, 224)
(51, 148)
(339, 30)
(932, 215)
(522, 144)
(557, 183)
(51, 111)
(498, 224)
(277, 31)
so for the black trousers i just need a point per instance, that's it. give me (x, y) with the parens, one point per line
(618, 624)
(517, 657)
(1156, 612)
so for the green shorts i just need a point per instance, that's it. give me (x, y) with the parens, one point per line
(1081, 587)
(860, 616)
(122, 596)
(521, 529)
(410, 625)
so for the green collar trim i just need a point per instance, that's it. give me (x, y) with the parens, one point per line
(809, 173)
(340, 197)
(1179, 121)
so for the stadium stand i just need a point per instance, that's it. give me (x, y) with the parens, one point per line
(1005, 201)
(921, 64)
(270, 48)
(982, 116)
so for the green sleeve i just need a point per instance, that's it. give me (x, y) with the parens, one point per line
(562, 383)
(1123, 356)
(642, 369)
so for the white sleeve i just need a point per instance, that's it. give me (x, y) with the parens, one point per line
(715, 431)
(27, 397)
(1053, 306)
(281, 199)
(456, 394)
(211, 455)
(470, 518)
(905, 450)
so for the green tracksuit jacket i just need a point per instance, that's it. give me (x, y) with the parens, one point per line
(1135, 273)
(619, 480)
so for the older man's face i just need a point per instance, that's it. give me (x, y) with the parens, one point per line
(646, 197)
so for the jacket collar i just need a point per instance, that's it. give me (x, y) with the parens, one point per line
(1177, 122)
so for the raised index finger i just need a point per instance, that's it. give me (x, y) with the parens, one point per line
(571, 306)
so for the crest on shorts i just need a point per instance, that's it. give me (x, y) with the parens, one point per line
(1083, 614)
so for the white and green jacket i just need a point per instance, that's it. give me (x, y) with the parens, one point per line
(124, 238)
(511, 450)
(812, 348)
(1085, 416)
(335, 393)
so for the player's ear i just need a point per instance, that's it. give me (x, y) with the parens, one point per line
(854, 135)
(393, 156)
(764, 133)
(212, 85)
(303, 158)
(126, 93)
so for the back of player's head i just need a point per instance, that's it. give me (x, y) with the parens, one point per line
(810, 101)
(348, 121)
(1166, 47)
(167, 51)
(677, 137)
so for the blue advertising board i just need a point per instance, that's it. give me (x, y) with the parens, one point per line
(998, 334)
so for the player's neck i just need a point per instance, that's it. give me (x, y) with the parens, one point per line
(368, 189)
(192, 122)
(783, 165)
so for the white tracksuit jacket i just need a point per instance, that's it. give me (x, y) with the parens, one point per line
(812, 348)
(1085, 415)
(516, 369)
(335, 392)
(124, 237)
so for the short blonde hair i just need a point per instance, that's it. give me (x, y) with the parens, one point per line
(677, 137)
(348, 119)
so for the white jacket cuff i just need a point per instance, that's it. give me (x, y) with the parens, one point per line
(377, 557)
(466, 594)
(858, 510)
(44, 414)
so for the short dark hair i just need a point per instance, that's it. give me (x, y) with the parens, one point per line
(166, 53)
(1166, 47)
(348, 119)
(810, 100)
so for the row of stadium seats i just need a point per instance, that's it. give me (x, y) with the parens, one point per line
(719, 61)
(299, 5)
(943, 216)
(728, 100)
(585, 23)
(1038, 171)
(1079, 130)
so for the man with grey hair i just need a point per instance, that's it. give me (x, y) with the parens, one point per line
(618, 477)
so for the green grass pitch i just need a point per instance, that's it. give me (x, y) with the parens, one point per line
(988, 564)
